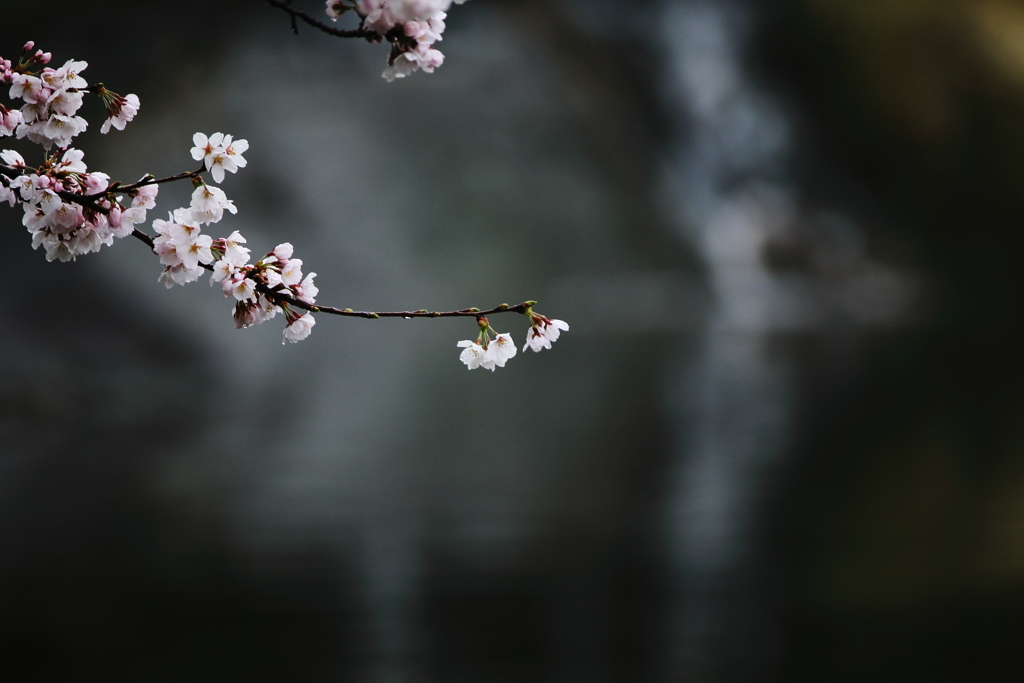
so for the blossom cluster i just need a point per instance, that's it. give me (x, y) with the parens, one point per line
(260, 290)
(66, 210)
(58, 216)
(490, 353)
(71, 211)
(411, 26)
(52, 98)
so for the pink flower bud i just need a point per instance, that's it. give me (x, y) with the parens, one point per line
(95, 182)
(246, 314)
(28, 47)
(283, 252)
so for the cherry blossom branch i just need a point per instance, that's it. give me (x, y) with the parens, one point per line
(280, 298)
(71, 211)
(340, 33)
(90, 201)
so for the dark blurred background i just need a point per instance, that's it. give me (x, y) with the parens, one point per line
(781, 442)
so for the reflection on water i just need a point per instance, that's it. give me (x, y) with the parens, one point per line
(733, 394)
(359, 507)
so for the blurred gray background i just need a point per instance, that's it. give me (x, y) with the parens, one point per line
(781, 442)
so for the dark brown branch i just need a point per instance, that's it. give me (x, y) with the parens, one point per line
(422, 313)
(118, 187)
(146, 239)
(89, 200)
(280, 299)
(326, 28)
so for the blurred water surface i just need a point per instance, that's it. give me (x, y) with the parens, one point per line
(745, 461)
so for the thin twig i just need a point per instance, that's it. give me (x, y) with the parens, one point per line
(422, 313)
(340, 33)
(118, 187)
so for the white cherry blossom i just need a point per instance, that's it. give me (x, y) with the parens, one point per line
(403, 65)
(499, 350)
(306, 290)
(234, 252)
(25, 87)
(204, 147)
(67, 76)
(179, 275)
(60, 129)
(145, 196)
(299, 328)
(242, 288)
(283, 252)
(12, 158)
(223, 270)
(219, 154)
(291, 274)
(472, 354)
(209, 204)
(8, 195)
(195, 251)
(543, 332)
(235, 150)
(219, 164)
(65, 102)
(72, 161)
(10, 119)
(124, 111)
